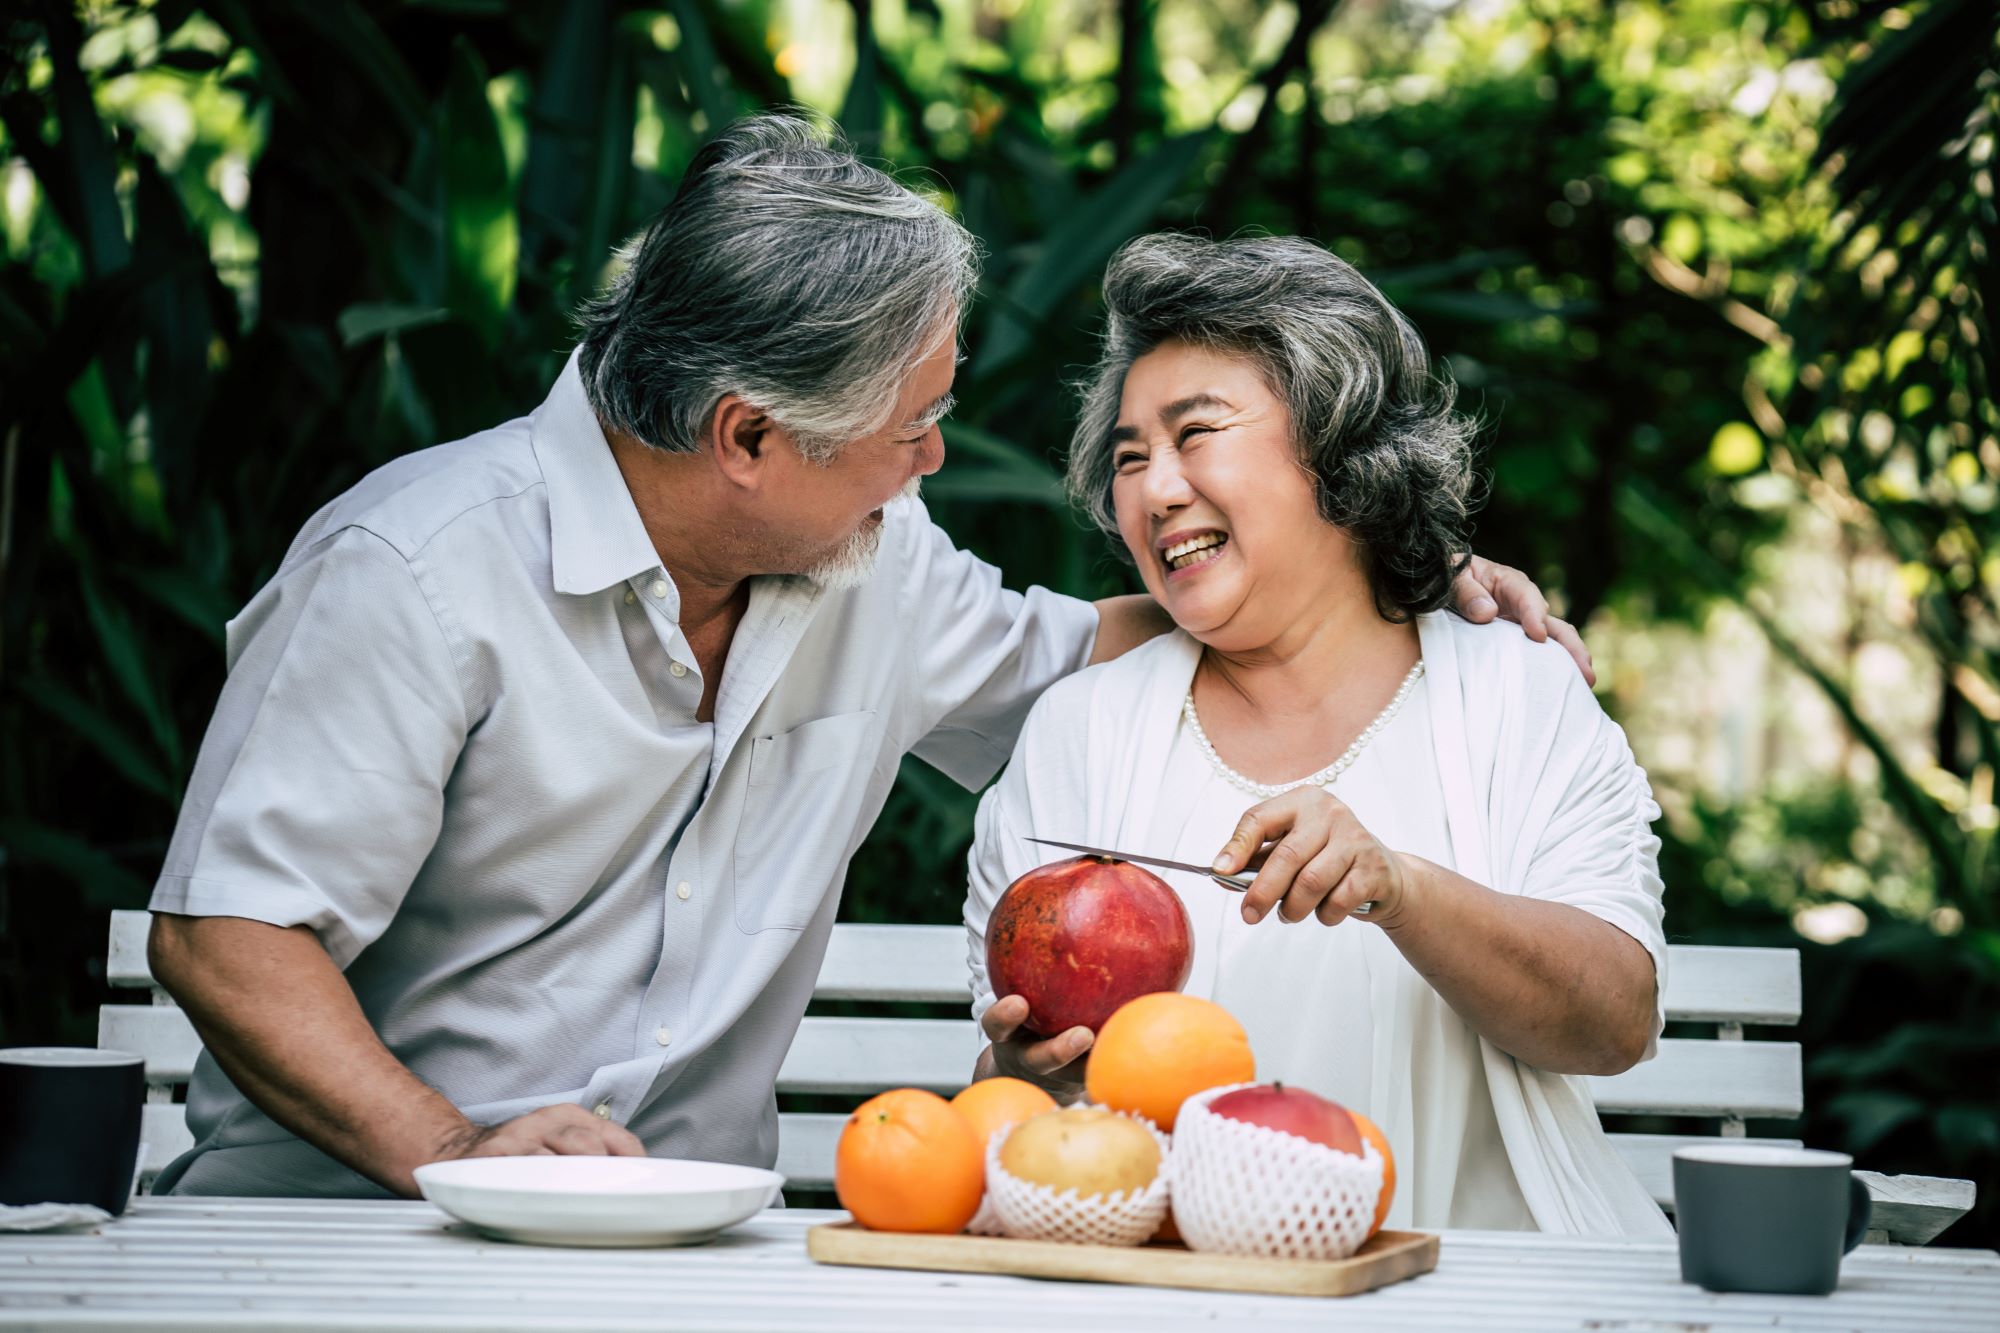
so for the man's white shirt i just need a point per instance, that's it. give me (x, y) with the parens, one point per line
(458, 741)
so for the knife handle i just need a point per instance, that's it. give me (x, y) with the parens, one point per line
(1241, 883)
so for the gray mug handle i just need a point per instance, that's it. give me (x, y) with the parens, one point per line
(1859, 1209)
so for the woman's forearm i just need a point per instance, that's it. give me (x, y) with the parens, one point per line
(1550, 984)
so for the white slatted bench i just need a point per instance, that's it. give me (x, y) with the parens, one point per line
(1728, 1080)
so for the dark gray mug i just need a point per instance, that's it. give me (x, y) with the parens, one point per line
(70, 1120)
(1768, 1219)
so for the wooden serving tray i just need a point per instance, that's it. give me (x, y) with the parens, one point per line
(1389, 1256)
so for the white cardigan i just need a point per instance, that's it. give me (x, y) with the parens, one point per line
(1527, 762)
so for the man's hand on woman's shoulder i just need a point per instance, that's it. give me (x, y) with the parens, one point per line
(1485, 590)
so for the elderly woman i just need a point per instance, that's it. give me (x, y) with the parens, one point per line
(1264, 434)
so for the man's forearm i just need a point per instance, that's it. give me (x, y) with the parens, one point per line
(283, 1023)
(1123, 623)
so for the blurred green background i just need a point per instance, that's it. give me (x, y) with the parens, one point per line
(1718, 275)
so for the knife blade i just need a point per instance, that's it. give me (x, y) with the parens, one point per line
(1236, 883)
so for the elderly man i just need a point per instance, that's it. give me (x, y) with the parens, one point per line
(521, 820)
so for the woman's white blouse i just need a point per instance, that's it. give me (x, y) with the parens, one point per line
(1502, 766)
(1307, 994)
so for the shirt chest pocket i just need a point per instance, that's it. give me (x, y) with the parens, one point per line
(807, 790)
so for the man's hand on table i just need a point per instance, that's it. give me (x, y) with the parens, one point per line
(315, 1065)
(1056, 1064)
(566, 1130)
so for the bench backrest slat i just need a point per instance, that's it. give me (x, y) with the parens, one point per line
(125, 965)
(858, 1056)
(861, 1056)
(895, 963)
(1729, 984)
(1704, 984)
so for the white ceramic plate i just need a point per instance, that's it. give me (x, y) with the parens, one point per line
(598, 1200)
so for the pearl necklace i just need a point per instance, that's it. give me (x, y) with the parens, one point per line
(1327, 776)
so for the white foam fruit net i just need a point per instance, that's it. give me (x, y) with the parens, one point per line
(1028, 1211)
(986, 1222)
(1245, 1189)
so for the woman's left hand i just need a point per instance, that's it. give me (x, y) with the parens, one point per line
(1323, 863)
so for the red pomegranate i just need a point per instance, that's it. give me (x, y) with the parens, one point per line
(1078, 938)
(1292, 1111)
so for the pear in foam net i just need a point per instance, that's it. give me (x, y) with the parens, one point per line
(1084, 1174)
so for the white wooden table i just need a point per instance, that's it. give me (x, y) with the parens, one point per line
(273, 1264)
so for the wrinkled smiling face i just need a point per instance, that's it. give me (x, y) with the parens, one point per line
(825, 519)
(1212, 500)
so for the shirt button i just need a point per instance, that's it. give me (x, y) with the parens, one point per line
(676, 670)
(659, 588)
(663, 1036)
(630, 597)
(683, 890)
(603, 1109)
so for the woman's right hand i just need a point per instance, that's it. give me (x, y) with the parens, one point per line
(1055, 1064)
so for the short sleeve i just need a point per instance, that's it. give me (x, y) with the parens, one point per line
(982, 655)
(1599, 852)
(319, 789)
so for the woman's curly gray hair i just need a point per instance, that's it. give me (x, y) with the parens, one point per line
(1391, 461)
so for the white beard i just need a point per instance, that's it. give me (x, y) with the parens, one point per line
(853, 563)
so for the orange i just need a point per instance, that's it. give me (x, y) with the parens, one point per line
(908, 1162)
(1374, 1135)
(1155, 1052)
(993, 1102)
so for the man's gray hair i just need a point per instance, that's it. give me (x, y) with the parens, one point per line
(1391, 461)
(786, 271)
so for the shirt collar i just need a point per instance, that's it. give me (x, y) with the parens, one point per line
(596, 538)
